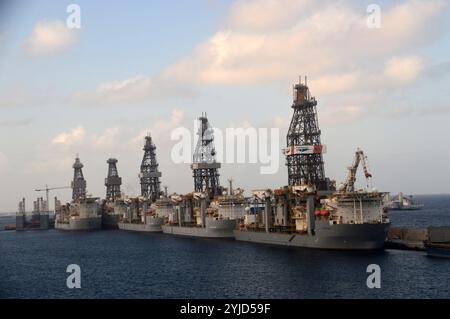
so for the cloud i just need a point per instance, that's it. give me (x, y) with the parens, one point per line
(404, 70)
(75, 136)
(267, 41)
(279, 40)
(50, 37)
(108, 137)
(116, 92)
(58, 155)
(161, 127)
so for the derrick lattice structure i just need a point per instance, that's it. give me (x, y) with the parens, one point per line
(304, 158)
(205, 168)
(113, 181)
(149, 174)
(78, 183)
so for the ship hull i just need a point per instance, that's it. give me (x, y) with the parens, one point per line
(89, 223)
(153, 225)
(335, 237)
(438, 250)
(110, 221)
(214, 229)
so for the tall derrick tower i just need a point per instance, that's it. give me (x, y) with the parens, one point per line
(204, 166)
(78, 183)
(149, 175)
(113, 181)
(304, 150)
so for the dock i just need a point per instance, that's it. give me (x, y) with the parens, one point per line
(413, 238)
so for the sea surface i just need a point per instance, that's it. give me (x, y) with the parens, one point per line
(116, 264)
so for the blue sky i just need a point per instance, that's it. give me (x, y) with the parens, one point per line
(141, 66)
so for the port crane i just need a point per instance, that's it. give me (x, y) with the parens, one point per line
(47, 190)
(349, 184)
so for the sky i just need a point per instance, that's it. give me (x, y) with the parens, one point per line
(138, 67)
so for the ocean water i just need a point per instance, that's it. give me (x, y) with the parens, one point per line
(436, 212)
(116, 264)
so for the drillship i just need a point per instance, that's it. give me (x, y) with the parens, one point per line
(83, 213)
(139, 213)
(204, 212)
(309, 212)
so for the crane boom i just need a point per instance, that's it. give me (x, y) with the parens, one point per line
(47, 190)
(349, 184)
(51, 188)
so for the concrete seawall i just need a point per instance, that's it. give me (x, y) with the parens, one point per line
(406, 238)
(413, 238)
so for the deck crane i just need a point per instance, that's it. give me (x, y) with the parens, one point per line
(349, 184)
(47, 190)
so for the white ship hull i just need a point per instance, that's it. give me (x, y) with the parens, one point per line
(153, 225)
(222, 228)
(80, 223)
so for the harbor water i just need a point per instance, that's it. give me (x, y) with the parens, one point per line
(118, 264)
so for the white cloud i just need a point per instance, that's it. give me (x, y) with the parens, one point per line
(108, 137)
(50, 37)
(405, 69)
(265, 41)
(279, 40)
(161, 127)
(114, 92)
(59, 153)
(75, 136)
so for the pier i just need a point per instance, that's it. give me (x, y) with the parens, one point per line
(413, 238)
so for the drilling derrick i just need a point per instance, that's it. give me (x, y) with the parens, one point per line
(113, 181)
(205, 168)
(149, 176)
(304, 149)
(78, 183)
